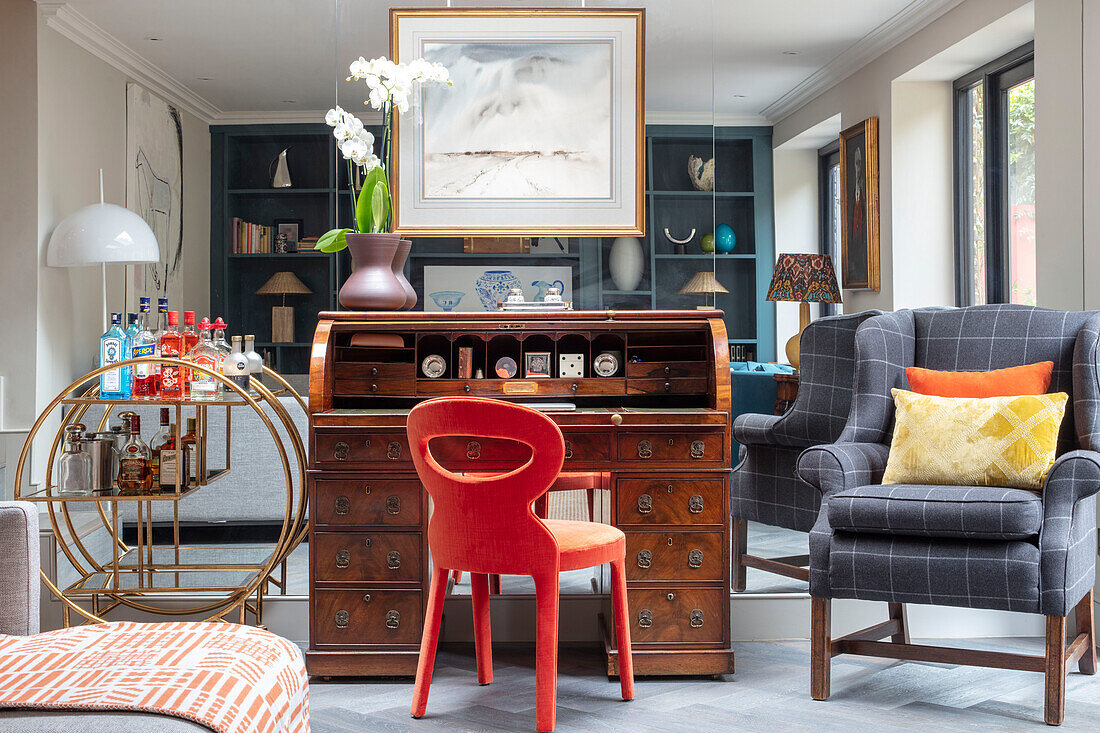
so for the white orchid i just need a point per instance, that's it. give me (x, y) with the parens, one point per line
(333, 116)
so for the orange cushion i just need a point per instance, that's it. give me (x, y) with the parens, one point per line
(1029, 379)
(586, 544)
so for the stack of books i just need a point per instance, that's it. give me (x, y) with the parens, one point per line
(248, 238)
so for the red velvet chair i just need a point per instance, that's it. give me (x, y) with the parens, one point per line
(486, 525)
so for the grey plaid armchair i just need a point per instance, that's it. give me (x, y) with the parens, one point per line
(765, 488)
(974, 547)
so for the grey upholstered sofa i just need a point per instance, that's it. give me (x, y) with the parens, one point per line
(765, 488)
(975, 547)
(19, 615)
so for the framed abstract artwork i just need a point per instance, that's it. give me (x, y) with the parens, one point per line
(542, 131)
(859, 206)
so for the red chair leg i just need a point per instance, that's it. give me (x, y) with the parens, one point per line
(546, 652)
(434, 613)
(591, 505)
(622, 627)
(483, 633)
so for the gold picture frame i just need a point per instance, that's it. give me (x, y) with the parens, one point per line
(426, 202)
(859, 226)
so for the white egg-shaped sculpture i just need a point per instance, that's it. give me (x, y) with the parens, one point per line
(626, 263)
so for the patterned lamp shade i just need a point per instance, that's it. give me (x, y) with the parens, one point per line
(804, 278)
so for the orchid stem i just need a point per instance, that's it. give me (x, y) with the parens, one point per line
(351, 192)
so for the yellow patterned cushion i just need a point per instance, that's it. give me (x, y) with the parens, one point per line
(955, 441)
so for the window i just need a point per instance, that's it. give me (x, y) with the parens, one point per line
(829, 209)
(995, 182)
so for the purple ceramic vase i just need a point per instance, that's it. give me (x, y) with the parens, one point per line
(372, 285)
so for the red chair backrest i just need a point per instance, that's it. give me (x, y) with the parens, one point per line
(485, 524)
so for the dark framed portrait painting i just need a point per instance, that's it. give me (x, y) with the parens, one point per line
(859, 206)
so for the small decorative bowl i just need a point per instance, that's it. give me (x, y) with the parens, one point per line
(447, 299)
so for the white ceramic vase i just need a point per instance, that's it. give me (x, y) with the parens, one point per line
(626, 263)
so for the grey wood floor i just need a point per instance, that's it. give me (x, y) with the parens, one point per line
(769, 692)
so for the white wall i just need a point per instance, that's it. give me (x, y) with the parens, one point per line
(869, 92)
(18, 206)
(921, 180)
(794, 172)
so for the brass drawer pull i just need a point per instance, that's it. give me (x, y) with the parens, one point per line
(695, 559)
(393, 504)
(645, 618)
(668, 370)
(645, 559)
(466, 388)
(393, 619)
(668, 386)
(342, 619)
(473, 450)
(340, 451)
(343, 559)
(568, 449)
(343, 505)
(695, 503)
(374, 371)
(393, 451)
(645, 504)
(697, 449)
(645, 449)
(374, 388)
(393, 560)
(695, 618)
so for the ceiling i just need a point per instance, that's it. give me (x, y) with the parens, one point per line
(732, 59)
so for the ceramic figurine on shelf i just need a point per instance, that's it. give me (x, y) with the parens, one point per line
(626, 262)
(701, 173)
(679, 245)
(707, 243)
(724, 239)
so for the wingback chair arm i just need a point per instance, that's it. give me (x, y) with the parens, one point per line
(19, 582)
(754, 429)
(838, 466)
(1067, 541)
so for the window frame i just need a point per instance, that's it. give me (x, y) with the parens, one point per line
(828, 156)
(995, 79)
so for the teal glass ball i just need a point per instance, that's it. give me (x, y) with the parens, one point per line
(707, 243)
(724, 239)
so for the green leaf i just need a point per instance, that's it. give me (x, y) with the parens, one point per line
(333, 240)
(380, 206)
(363, 214)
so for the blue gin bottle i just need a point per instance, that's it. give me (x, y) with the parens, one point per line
(114, 384)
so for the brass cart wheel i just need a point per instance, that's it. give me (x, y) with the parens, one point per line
(236, 598)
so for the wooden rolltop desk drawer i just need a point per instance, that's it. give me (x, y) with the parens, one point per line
(641, 397)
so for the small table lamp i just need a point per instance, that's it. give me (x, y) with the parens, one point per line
(803, 278)
(703, 283)
(282, 316)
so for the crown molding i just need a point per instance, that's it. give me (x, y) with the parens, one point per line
(61, 17)
(659, 117)
(903, 24)
(271, 117)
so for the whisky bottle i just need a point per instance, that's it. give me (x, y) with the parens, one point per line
(189, 454)
(144, 346)
(235, 367)
(203, 386)
(171, 342)
(135, 474)
(157, 443)
(114, 384)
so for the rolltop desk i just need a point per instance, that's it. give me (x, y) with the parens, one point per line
(657, 430)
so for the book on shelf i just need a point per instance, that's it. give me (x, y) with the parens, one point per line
(248, 238)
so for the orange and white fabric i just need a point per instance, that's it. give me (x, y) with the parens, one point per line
(230, 678)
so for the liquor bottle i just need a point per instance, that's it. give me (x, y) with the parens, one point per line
(135, 474)
(171, 342)
(131, 328)
(162, 328)
(189, 453)
(190, 340)
(74, 468)
(114, 384)
(223, 347)
(204, 387)
(144, 346)
(157, 442)
(235, 367)
(255, 364)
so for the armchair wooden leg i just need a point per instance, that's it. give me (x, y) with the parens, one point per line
(1055, 710)
(740, 547)
(1085, 624)
(821, 651)
(899, 614)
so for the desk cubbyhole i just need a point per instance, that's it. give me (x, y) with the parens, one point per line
(570, 345)
(499, 348)
(539, 355)
(434, 344)
(468, 355)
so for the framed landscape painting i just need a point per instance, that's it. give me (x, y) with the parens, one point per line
(542, 131)
(859, 206)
